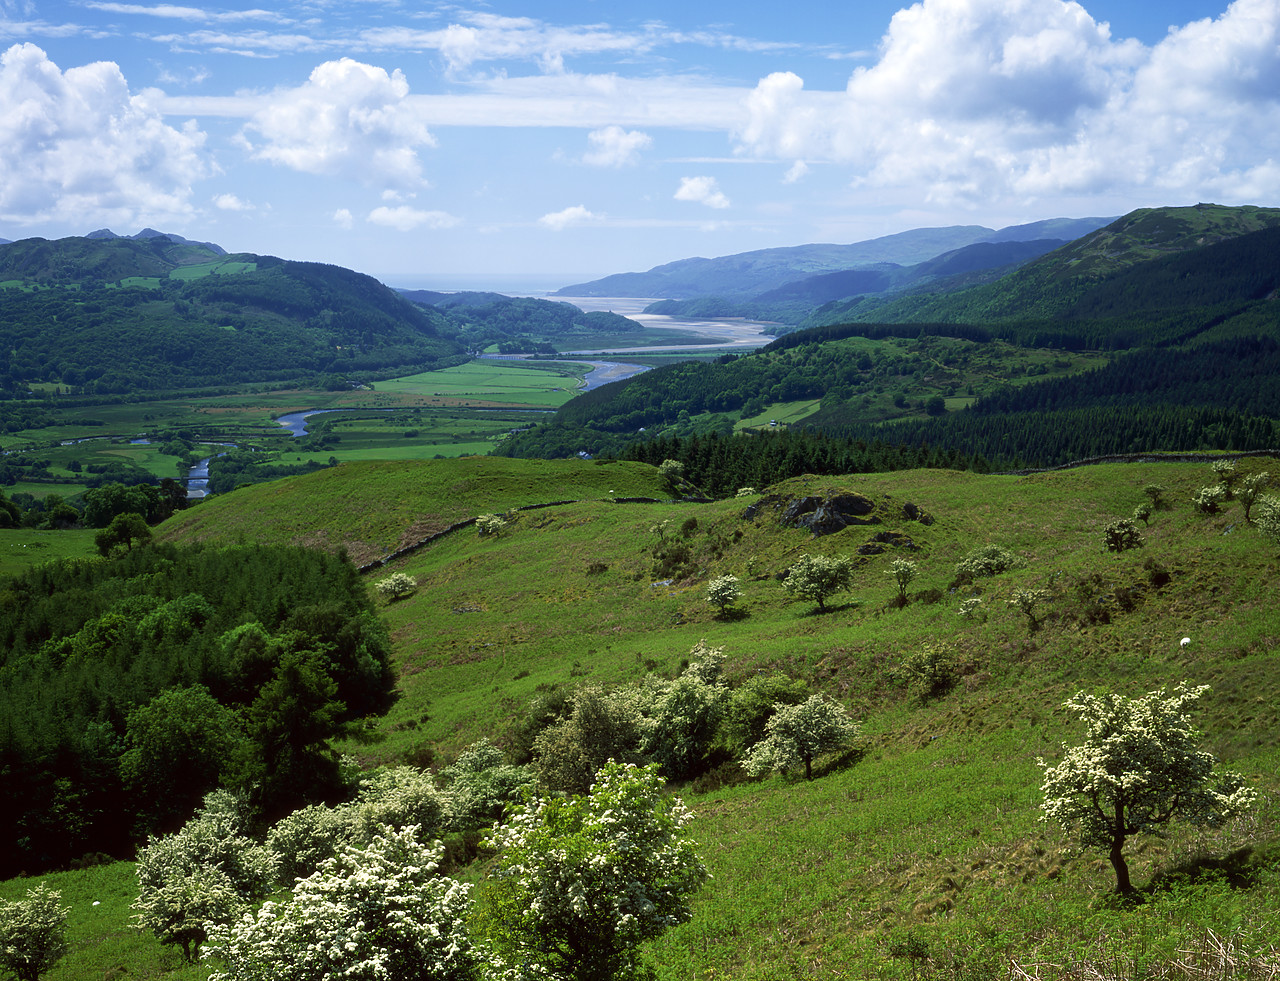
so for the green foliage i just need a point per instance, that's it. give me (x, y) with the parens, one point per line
(682, 716)
(1138, 768)
(84, 645)
(1156, 492)
(751, 705)
(124, 532)
(818, 577)
(929, 670)
(582, 881)
(1142, 513)
(1121, 535)
(32, 933)
(798, 734)
(182, 744)
(480, 785)
(602, 726)
(380, 911)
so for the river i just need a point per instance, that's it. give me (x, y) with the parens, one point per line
(732, 335)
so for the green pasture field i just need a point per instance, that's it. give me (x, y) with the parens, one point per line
(101, 937)
(536, 384)
(24, 548)
(218, 267)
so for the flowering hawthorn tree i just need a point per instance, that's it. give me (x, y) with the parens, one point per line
(583, 880)
(798, 734)
(1137, 769)
(378, 913)
(396, 586)
(816, 577)
(32, 933)
(723, 592)
(202, 875)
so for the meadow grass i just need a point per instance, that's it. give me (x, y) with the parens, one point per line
(919, 852)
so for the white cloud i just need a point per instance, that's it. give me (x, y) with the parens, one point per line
(349, 120)
(1013, 99)
(701, 190)
(796, 172)
(614, 146)
(170, 11)
(405, 219)
(229, 202)
(558, 221)
(343, 218)
(80, 146)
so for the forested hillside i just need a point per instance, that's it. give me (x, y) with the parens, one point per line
(1158, 332)
(129, 688)
(103, 316)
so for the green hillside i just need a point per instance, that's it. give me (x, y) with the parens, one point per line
(919, 853)
(108, 316)
(1065, 283)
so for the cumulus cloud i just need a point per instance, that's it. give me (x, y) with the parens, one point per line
(405, 219)
(229, 202)
(349, 120)
(701, 190)
(614, 146)
(343, 218)
(1018, 98)
(78, 144)
(558, 221)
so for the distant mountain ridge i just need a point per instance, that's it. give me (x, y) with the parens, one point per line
(107, 233)
(748, 274)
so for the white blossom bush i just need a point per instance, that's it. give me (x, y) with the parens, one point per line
(32, 933)
(1027, 602)
(798, 734)
(1121, 535)
(1208, 500)
(1138, 768)
(396, 586)
(491, 524)
(300, 842)
(582, 881)
(903, 572)
(1250, 491)
(971, 609)
(378, 913)
(818, 577)
(1268, 520)
(723, 592)
(201, 876)
(989, 560)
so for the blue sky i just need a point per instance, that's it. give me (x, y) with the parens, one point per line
(428, 143)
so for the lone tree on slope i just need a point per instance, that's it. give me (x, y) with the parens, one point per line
(1138, 768)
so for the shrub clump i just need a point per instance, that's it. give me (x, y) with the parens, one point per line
(1122, 535)
(989, 560)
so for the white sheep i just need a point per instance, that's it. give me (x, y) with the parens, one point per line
(1185, 641)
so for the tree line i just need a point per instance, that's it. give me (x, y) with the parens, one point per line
(129, 688)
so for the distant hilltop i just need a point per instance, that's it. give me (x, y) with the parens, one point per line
(152, 233)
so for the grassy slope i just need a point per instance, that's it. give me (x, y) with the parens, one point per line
(926, 840)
